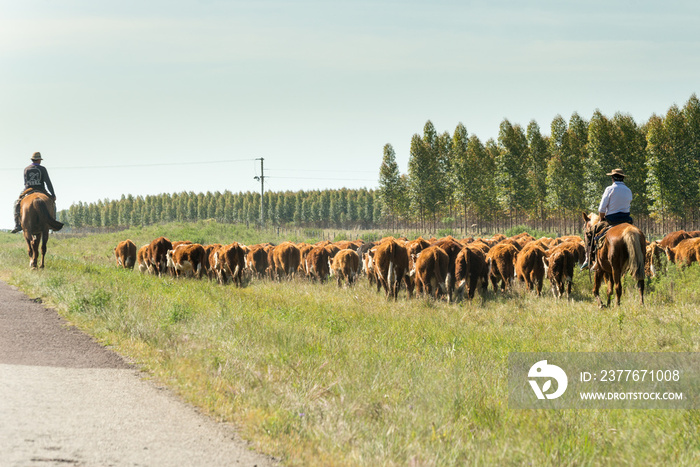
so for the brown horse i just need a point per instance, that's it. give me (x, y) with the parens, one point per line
(622, 251)
(38, 216)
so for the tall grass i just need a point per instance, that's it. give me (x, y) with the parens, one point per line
(324, 376)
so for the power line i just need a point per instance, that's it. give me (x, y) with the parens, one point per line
(327, 178)
(128, 166)
(321, 170)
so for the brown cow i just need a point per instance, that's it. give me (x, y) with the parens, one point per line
(143, 261)
(559, 267)
(366, 260)
(156, 254)
(345, 266)
(685, 253)
(547, 242)
(347, 244)
(501, 262)
(208, 261)
(452, 247)
(229, 262)
(391, 267)
(285, 258)
(187, 259)
(414, 247)
(304, 249)
(125, 252)
(431, 271)
(317, 263)
(529, 266)
(654, 259)
(672, 239)
(522, 239)
(576, 248)
(256, 261)
(471, 269)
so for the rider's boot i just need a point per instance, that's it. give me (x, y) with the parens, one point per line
(18, 224)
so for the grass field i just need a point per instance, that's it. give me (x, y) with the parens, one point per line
(318, 375)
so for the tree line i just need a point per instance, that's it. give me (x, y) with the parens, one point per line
(343, 208)
(456, 181)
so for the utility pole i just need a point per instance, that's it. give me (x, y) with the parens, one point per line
(261, 178)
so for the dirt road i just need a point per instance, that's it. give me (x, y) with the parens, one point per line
(66, 400)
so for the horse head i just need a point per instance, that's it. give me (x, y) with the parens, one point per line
(590, 222)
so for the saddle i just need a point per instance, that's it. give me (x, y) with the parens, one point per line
(602, 228)
(29, 191)
(599, 234)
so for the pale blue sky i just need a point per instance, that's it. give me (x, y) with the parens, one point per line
(317, 88)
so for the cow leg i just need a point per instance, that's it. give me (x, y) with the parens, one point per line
(473, 284)
(494, 282)
(419, 287)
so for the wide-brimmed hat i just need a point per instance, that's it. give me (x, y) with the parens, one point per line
(37, 156)
(617, 172)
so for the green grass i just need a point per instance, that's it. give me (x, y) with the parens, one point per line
(324, 376)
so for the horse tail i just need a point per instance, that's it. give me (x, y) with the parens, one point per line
(633, 241)
(53, 223)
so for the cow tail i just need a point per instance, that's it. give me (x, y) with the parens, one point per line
(391, 274)
(443, 284)
(636, 255)
(569, 267)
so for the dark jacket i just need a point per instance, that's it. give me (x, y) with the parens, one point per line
(37, 177)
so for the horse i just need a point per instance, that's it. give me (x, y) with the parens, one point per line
(622, 251)
(38, 216)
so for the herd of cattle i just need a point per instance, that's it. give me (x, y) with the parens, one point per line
(435, 267)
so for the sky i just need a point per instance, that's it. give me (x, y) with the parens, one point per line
(151, 96)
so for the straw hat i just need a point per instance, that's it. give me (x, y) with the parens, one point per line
(617, 172)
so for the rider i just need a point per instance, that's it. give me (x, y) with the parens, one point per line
(36, 178)
(614, 209)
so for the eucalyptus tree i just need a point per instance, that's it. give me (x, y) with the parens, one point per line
(424, 174)
(390, 184)
(630, 155)
(512, 169)
(537, 174)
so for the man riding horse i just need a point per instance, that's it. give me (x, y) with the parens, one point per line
(614, 209)
(36, 179)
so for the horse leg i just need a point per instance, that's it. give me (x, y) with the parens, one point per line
(617, 281)
(640, 286)
(598, 280)
(30, 248)
(44, 241)
(35, 250)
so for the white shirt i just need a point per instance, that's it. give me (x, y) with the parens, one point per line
(616, 198)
